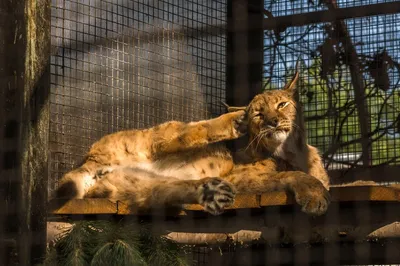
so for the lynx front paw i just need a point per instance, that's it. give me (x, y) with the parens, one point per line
(240, 123)
(215, 195)
(314, 199)
(237, 121)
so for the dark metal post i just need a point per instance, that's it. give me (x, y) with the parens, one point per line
(245, 51)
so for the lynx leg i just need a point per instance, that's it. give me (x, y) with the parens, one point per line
(76, 183)
(213, 194)
(309, 192)
(175, 136)
(146, 190)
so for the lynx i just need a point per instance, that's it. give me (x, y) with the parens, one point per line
(178, 163)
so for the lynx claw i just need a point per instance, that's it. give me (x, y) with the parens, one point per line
(315, 204)
(240, 123)
(216, 195)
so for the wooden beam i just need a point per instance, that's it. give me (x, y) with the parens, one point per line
(242, 201)
(389, 231)
(86, 206)
(297, 20)
(346, 222)
(356, 213)
(24, 83)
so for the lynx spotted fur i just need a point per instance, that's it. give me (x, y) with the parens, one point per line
(179, 163)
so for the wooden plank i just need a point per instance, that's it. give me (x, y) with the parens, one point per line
(356, 213)
(338, 194)
(342, 222)
(83, 206)
(242, 201)
(242, 236)
(246, 201)
(276, 199)
(124, 209)
(267, 235)
(365, 193)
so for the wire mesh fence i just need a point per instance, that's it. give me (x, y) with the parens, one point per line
(133, 64)
(329, 92)
(130, 64)
(121, 64)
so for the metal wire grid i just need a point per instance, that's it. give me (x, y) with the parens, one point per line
(327, 119)
(287, 7)
(130, 64)
(104, 80)
(200, 255)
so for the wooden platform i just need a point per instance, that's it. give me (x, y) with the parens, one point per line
(339, 195)
(362, 225)
(355, 212)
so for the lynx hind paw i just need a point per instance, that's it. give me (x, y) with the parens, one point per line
(216, 195)
(240, 122)
(315, 202)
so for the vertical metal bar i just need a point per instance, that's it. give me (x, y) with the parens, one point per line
(244, 52)
(10, 19)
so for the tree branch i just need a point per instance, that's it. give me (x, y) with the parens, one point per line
(357, 81)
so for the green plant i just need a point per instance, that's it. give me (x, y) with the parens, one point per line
(112, 243)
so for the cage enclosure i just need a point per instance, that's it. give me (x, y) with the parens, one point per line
(74, 71)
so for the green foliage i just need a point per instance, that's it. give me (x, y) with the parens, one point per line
(331, 112)
(116, 244)
(160, 250)
(112, 244)
(71, 249)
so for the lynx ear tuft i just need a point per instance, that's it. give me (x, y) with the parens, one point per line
(233, 108)
(291, 87)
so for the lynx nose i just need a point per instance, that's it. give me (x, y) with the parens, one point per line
(272, 122)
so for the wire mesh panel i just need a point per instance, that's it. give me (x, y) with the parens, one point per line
(342, 60)
(130, 64)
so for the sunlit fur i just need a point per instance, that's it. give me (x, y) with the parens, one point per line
(276, 128)
(270, 125)
(178, 163)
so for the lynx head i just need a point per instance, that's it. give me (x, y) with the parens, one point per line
(275, 116)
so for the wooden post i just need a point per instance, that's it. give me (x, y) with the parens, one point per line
(24, 54)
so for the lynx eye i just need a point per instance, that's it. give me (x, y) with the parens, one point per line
(282, 105)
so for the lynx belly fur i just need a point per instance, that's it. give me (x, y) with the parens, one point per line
(179, 163)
